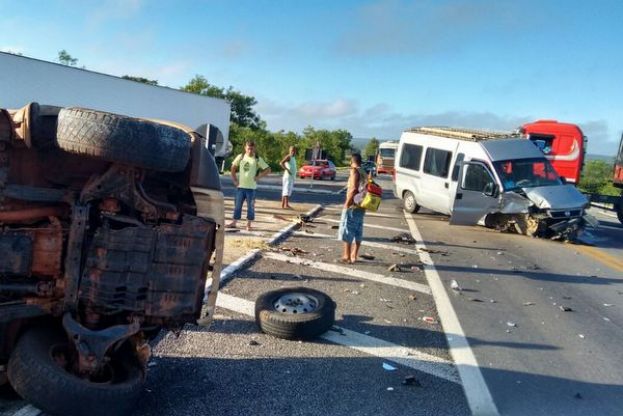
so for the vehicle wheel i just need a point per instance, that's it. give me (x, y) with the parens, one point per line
(122, 139)
(37, 372)
(409, 203)
(294, 313)
(527, 225)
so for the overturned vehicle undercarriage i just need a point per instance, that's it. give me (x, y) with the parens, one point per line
(109, 228)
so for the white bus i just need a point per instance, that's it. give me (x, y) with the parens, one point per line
(385, 157)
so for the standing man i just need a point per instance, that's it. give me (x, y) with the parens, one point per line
(288, 163)
(251, 167)
(351, 223)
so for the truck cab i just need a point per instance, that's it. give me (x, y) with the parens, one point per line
(563, 144)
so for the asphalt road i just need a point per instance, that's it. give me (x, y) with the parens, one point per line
(533, 357)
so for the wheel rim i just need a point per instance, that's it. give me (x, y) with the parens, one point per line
(409, 201)
(296, 303)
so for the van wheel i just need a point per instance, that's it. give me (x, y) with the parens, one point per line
(38, 370)
(294, 313)
(409, 203)
(127, 140)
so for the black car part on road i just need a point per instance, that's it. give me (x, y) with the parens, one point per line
(123, 139)
(37, 371)
(294, 313)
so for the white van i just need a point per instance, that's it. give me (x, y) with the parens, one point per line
(489, 178)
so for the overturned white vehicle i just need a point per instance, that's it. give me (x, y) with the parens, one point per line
(486, 178)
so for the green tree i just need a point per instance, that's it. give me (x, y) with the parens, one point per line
(242, 112)
(334, 142)
(597, 178)
(371, 148)
(140, 79)
(66, 59)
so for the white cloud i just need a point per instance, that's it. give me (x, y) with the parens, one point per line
(113, 10)
(15, 49)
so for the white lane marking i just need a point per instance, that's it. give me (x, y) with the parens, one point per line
(28, 410)
(368, 214)
(382, 227)
(348, 271)
(363, 243)
(301, 190)
(407, 357)
(478, 396)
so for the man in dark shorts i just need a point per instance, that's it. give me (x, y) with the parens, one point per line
(351, 223)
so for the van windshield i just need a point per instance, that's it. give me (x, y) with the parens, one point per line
(387, 152)
(526, 173)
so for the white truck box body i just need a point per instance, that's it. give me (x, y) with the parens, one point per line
(24, 80)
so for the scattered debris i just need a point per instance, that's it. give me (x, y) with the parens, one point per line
(367, 332)
(474, 266)
(335, 227)
(429, 319)
(232, 230)
(475, 300)
(385, 300)
(362, 285)
(367, 256)
(393, 268)
(434, 251)
(454, 285)
(581, 336)
(607, 305)
(493, 301)
(254, 343)
(511, 324)
(293, 250)
(606, 319)
(577, 396)
(529, 304)
(387, 321)
(390, 389)
(412, 297)
(411, 381)
(565, 308)
(416, 268)
(500, 253)
(508, 331)
(389, 367)
(566, 297)
(404, 238)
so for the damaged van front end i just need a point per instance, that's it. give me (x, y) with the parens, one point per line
(556, 212)
(519, 191)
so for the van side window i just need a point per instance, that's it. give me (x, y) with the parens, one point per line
(457, 166)
(476, 178)
(411, 156)
(437, 162)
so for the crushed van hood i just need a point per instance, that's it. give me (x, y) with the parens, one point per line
(556, 197)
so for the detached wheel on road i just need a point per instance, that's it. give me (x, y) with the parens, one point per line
(294, 313)
(39, 371)
(409, 203)
(116, 138)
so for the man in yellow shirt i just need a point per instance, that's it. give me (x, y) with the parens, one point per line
(250, 167)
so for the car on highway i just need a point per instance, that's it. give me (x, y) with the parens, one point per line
(318, 169)
(369, 167)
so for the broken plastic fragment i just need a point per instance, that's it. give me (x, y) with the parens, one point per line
(607, 305)
(455, 285)
(529, 303)
(565, 308)
(411, 381)
(390, 389)
(511, 324)
(389, 367)
(581, 336)
(429, 319)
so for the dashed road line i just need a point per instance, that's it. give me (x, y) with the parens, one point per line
(348, 271)
(476, 391)
(382, 227)
(408, 357)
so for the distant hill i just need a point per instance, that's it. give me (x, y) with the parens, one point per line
(609, 159)
(360, 142)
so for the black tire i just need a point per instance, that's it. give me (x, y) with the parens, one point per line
(38, 378)
(116, 138)
(409, 203)
(289, 325)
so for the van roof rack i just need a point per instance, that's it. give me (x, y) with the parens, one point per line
(471, 135)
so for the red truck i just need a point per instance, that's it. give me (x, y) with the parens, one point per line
(564, 145)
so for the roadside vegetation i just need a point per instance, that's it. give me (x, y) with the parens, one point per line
(597, 178)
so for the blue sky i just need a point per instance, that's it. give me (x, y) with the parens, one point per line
(373, 67)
